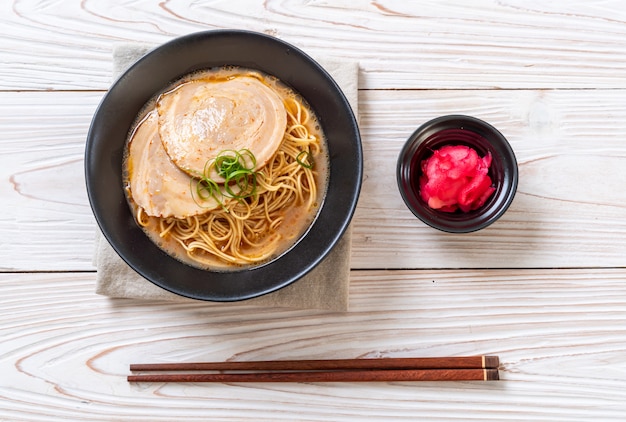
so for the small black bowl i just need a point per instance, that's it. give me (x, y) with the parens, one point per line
(458, 130)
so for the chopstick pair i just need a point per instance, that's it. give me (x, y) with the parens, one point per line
(463, 368)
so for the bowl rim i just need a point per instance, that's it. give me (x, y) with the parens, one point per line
(108, 203)
(502, 156)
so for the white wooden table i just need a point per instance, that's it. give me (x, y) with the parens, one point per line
(544, 287)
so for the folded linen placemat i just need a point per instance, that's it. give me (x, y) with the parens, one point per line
(325, 287)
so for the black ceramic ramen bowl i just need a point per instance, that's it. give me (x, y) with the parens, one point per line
(152, 74)
(458, 130)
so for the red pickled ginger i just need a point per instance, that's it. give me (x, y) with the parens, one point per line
(455, 177)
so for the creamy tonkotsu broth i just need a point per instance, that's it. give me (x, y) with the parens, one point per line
(226, 169)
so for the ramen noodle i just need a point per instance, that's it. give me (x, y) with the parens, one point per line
(226, 169)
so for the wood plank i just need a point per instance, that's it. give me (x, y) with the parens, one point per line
(484, 45)
(46, 221)
(570, 210)
(66, 351)
(570, 207)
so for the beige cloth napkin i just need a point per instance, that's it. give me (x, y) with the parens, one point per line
(325, 287)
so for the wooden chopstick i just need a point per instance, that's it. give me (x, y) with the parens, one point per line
(385, 375)
(458, 362)
(464, 368)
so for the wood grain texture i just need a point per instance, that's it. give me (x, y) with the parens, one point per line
(485, 44)
(44, 200)
(570, 209)
(65, 351)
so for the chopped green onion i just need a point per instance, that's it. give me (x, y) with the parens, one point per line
(237, 170)
(205, 189)
(305, 159)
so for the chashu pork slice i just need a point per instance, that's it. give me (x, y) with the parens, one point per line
(156, 184)
(201, 118)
